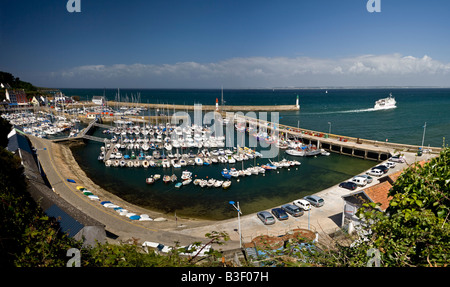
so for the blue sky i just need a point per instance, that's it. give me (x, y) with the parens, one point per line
(237, 44)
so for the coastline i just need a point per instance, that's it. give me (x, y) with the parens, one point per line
(323, 221)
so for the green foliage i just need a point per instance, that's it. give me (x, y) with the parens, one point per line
(414, 231)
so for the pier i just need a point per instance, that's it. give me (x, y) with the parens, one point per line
(355, 147)
(273, 108)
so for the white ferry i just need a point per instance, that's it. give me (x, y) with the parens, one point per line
(386, 103)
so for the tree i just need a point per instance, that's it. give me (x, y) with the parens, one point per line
(414, 230)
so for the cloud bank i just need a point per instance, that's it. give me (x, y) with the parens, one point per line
(263, 72)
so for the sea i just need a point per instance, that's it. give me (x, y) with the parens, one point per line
(421, 118)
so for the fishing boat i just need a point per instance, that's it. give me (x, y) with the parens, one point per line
(233, 172)
(186, 175)
(303, 151)
(386, 103)
(225, 173)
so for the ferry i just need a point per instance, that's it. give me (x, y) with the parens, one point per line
(386, 103)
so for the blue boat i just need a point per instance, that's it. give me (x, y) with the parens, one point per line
(226, 174)
(178, 184)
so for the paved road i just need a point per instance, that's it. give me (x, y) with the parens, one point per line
(323, 220)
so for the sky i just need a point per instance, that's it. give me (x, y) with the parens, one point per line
(234, 44)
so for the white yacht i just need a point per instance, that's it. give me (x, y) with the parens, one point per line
(386, 103)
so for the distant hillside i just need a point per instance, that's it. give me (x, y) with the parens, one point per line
(16, 83)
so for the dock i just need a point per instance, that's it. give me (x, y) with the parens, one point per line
(355, 147)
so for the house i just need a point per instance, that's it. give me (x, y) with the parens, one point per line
(98, 100)
(16, 97)
(34, 101)
(378, 193)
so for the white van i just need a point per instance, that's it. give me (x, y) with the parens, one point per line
(302, 203)
(359, 180)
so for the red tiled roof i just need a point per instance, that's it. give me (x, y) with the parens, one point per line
(379, 194)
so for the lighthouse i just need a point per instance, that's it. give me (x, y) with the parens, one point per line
(297, 104)
(217, 104)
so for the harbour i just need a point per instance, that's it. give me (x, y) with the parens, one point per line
(192, 203)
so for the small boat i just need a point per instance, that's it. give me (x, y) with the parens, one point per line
(166, 178)
(197, 181)
(218, 183)
(210, 182)
(156, 176)
(226, 184)
(226, 174)
(234, 172)
(187, 181)
(178, 185)
(198, 161)
(149, 180)
(186, 175)
(173, 178)
(145, 163)
(203, 182)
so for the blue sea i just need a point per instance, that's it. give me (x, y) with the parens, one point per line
(421, 114)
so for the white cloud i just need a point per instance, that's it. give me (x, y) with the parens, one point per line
(370, 70)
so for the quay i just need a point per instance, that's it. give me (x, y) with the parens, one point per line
(274, 108)
(350, 146)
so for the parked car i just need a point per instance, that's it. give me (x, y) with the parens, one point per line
(359, 180)
(315, 200)
(266, 217)
(397, 158)
(367, 177)
(348, 185)
(375, 172)
(279, 213)
(389, 164)
(381, 167)
(304, 204)
(292, 210)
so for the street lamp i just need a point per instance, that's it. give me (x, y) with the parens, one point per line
(239, 219)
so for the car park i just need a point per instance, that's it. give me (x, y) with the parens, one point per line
(315, 200)
(266, 217)
(348, 185)
(292, 210)
(302, 203)
(375, 172)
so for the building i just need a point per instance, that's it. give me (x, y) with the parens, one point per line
(98, 100)
(16, 97)
(378, 193)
